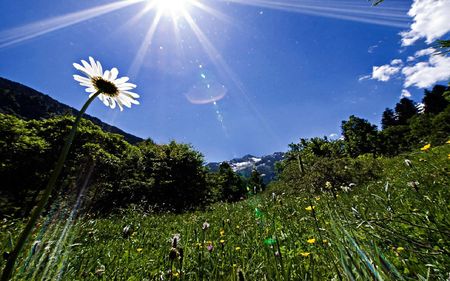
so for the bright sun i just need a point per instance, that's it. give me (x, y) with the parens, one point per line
(172, 7)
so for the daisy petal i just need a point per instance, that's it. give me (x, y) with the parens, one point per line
(125, 88)
(106, 75)
(124, 101)
(113, 103)
(131, 94)
(81, 79)
(88, 68)
(135, 102)
(104, 99)
(100, 68)
(129, 99)
(121, 80)
(81, 68)
(94, 66)
(114, 73)
(120, 105)
(128, 85)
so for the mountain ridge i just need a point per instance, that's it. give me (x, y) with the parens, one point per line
(265, 165)
(27, 103)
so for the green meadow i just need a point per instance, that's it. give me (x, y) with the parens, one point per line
(394, 227)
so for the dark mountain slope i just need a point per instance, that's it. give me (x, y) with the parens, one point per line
(27, 103)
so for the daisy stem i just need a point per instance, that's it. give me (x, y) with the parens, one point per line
(7, 271)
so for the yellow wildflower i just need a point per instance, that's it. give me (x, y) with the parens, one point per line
(237, 226)
(399, 249)
(222, 241)
(305, 254)
(139, 250)
(311, 241)
(325, 241)
(317, 198)
(238, 248)
(448, 142)
(310, 208)
(175, 274)
(222, 232)
(426, 147)
(449, 156)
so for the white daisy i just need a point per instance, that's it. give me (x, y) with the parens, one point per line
(112, 89)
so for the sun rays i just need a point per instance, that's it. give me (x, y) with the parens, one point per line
(29, 31)
(181, 10)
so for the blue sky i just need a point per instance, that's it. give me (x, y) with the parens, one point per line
(268, 74)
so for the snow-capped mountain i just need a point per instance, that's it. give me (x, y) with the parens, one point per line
(265, 165)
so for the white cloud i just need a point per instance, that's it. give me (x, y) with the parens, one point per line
(405, 94)
(384, 72)
(372, 49)
(396, 62)
(333, 135)
(431, 21)
(425, 74)
(422, 53)
(425, 52)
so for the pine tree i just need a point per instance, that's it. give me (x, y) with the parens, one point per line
(388, 119)
(405, 110)
(434, 100)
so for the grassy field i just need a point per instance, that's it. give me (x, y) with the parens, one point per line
(397, 227)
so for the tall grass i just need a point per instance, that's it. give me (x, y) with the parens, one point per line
(395, 228)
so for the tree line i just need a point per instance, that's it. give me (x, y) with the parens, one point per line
(318, 164)
(112, 173)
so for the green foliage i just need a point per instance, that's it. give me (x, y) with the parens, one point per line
(115, 174)
(388, 119)
(444, 46)
(231, 185)
(29, 104)
(359, 135)
(434, 100)
(405, 110)
(393, 141)
(22, 158)
(255, 182)
(393, 227)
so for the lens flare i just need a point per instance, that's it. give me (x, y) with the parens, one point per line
(206, 90)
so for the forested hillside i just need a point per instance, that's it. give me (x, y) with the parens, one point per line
(27, 103)
(117, 174)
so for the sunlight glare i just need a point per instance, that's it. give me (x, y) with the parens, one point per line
(173, 8)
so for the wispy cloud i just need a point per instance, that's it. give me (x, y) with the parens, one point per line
(405, 94)
(425, 68)
(430, 21)
(425, 74)
(385, 72)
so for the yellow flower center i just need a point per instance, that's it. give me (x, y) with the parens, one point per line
(106, 87)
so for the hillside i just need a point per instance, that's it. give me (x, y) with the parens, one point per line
(394, 227)
(27, 103)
